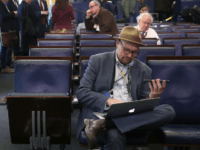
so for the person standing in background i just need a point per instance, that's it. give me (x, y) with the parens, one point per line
(162, 7)
(107, 4)
(63, 14)
(25, 9)
(12, 6)
(6, 20)
(41, 9)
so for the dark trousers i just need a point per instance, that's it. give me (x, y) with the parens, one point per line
(15, 49)
(26, 42)
(3, 56)
(115, 138)
(42, 30)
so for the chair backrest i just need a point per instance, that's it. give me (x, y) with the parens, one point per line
(55, 42)
(69, 31)
(97, 42)
(51, 51)
(88, 51)
(182, 93)
(193, 34)
(191, 50)
(160, 30)
(149, 41)
(59, 36)
(83, 67)
(155, 50)
(87, 31)
(178, 42)
(43, 75)
(94, 35)
(183, 30)
(168, 35)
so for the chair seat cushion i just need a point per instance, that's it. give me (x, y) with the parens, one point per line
(136, 140)
(179, 134)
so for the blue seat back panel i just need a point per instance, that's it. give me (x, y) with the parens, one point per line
(51, 52)
(59, 36)
(55, 43)
(191, 51)
(88, 51)
(182, 93)
(97, 42)
(42, 76)
(149, 41)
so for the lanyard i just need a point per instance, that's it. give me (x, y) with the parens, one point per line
(129, 81)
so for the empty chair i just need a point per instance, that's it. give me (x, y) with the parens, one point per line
(59, 36)
(182, 93)
(55, 42)
(51, 51)
(191, 50)
(160, 30)
(183, 30)
(94, 35)
(155, 50)
(69, 31)
(97, 42)
(168, 35)
(43, 76)
(84, 64)
(149, 41)
(178, 42)
(87, 31)
(193, 34)
(88, 51)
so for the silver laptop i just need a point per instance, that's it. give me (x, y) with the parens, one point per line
(129, 108)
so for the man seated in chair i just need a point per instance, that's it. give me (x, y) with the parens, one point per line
(99, 19)
(144, 21)
(118, 71)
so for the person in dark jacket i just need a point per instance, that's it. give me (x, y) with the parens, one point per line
(6, 18)
(12, 6)
(41, 9)
(107, 4)
(25, 8)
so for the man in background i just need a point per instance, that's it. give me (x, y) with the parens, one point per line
(41, 9)
(144, 22)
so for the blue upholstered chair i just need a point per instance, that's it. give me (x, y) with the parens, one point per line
(182, 93)
(168, 35)
(183, 30)
(88, 51)
(149, 41)
(178, 42)
(94, 35)
(160, 30)
(97, 42)
(42, 76)
(55, 42)
(87, 31)
(191, 50)
(155, 50)
(51, 51)
(193, 34)
(59, 36)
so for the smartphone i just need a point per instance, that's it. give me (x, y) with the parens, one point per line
(150, 80)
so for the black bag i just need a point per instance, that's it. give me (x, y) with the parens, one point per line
(186, 14)
(29, 26)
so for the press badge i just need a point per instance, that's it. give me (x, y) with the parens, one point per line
(109, 93)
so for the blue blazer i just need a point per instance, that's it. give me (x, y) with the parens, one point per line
(22, 12)
(12, 7)
(6, 18)
(97, 80)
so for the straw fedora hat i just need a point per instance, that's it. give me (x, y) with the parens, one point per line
(130, 34)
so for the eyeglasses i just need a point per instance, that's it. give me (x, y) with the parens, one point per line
(128, 51)
(92, 6)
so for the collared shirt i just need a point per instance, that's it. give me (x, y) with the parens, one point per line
(120, 91)
(151, 33)
(42, 5)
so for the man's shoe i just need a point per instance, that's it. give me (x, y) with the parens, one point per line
(7, 70)
(92, 129)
